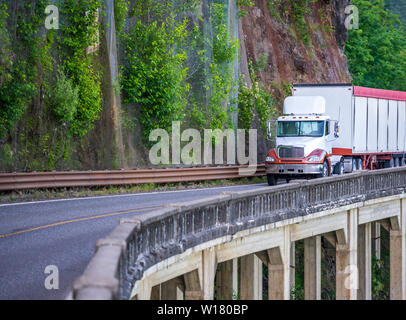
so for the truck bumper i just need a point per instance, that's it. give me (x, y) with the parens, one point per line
(294, 169)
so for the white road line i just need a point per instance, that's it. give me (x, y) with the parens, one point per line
(128, 195)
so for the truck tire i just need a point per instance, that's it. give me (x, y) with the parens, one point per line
(389, 164)
(339, 168)
(354, 165)
(325, 171)
(272, 180)
(359, 164)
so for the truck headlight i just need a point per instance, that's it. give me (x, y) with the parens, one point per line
(270, 159)
(314, 159)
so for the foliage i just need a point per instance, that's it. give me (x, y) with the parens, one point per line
(179, 67)
(297, 293)
(79, 33)
(14, 98)
(379, 278)
(243, 5)
(377, 51)
(381, 269)
(299, 10)
(154, 77)
(220, 78)
(18, 69)
(254, 98)
(398, 7)
(65, 99)
(121, 8)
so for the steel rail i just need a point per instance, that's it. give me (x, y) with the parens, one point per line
(66, 179)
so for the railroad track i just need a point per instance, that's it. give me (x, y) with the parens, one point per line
(66, 179)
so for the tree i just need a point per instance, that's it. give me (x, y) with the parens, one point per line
(377, 51)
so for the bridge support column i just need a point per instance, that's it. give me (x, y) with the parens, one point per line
(207, 273)
(156, 292)
(279, 270)
(192, 286)
(172, 289)
(396, 259)
(346, 259)
(312, 268)
(275, 275)
(251, 278)
(227, 280)
(364, 262)
(146, 291)
(395, 265)
(292, 266)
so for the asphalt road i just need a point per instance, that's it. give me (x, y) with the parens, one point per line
(63, 233)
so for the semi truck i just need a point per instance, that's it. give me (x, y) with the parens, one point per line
(335, 129)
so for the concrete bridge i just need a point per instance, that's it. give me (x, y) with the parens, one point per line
(186, 250)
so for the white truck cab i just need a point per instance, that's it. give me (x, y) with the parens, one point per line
(304, 137)
(337, 127)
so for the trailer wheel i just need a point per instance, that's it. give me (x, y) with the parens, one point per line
(359, 164)
(272, 180)
(389, 164)
(354, 165)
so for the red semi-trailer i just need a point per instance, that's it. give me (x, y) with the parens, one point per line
(337, 128)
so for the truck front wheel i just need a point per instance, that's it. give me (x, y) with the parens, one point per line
(324, 173)
(272, 180)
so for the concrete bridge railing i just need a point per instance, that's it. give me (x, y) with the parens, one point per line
(188, 241)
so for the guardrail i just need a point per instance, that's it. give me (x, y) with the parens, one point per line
(135, 245)
(38, 180)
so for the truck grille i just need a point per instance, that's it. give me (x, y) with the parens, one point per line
(291, 153)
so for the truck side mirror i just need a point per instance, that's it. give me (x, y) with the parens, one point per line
(269, 130)
(336, 129)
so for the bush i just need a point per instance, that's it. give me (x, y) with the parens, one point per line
(154, 77)
(78, 34)
(64, 99)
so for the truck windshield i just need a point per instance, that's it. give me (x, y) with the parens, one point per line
(300, 128)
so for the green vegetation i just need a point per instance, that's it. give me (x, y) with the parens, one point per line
(49, 88)
(299, 11)
(180, 62)
(254, 98)
(380, 277)
(243, 5)
(220, 77)
(398, 7)
(155, 75)
(79, 33)
(121, 8)
(381, 269)
(65, 99)
(179, 69)
(18, 67)
(377, 51)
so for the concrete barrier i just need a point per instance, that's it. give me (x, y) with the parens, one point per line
(132, 259)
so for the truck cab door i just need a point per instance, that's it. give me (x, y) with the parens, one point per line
(332, 130)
